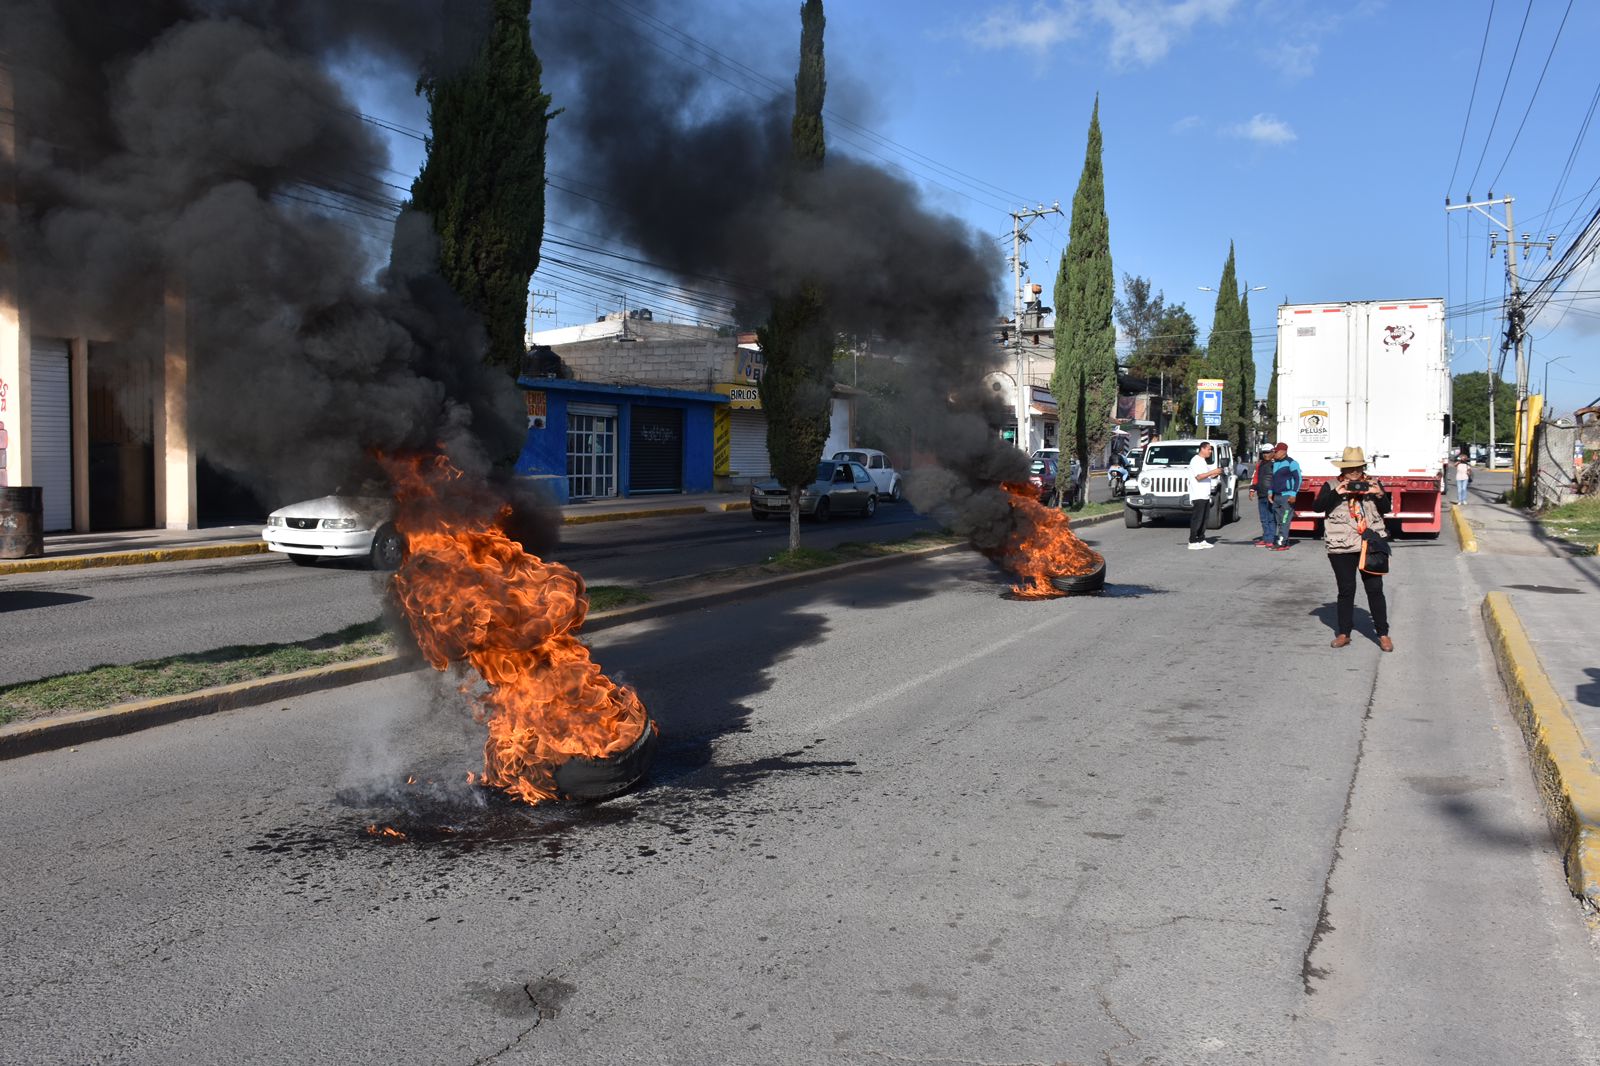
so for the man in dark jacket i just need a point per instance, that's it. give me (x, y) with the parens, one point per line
(1261, 492)
(1285, 487)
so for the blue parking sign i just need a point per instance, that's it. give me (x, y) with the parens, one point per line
(1208, 402)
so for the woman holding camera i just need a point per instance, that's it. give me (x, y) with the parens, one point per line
(1355, 507)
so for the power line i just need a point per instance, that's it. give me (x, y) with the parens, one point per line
(1526, 112)
(1493, 121)
(1473, 98)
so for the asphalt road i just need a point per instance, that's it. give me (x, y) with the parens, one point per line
(72, 620)
(894, 819)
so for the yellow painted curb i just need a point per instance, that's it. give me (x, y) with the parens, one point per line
(1564, 765)
(734, 505)
(1464, 533)
(623, 516)
(135, 558)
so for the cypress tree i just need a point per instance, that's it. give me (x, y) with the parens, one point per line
(1084, 381)
(1222, 350)
(483, 178)
(797, 343)
(1272, 399)
(1245, 410)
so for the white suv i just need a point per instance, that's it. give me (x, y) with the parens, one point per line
(1162, 487)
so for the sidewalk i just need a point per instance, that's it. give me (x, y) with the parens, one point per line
(1554, 598)
(74, 551)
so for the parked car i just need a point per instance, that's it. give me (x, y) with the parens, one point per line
(882, 472)
(1075, 468)
(336, 527)
(1162, 487)
(839, 488)
(1042, 476)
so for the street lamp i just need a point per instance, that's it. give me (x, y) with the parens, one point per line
(1545, 392)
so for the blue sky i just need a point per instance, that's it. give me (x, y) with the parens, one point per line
(1319, 138)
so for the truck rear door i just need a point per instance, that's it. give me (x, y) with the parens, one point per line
(1318, 403)
(1401, 378)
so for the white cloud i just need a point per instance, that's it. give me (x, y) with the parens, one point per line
(1264, 129)
(1141, 31)
(1187, 124)
(1144, 31)
(1294, 61)
(1037, 30)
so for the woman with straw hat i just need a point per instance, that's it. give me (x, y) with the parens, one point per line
(1355, 507)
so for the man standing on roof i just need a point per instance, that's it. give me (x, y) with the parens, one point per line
(1285, 487)
(1261, 492)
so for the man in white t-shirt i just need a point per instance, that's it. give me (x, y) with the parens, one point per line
(1203, 472)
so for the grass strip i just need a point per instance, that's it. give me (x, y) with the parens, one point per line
(792, 562)
(104, 686)
(612, 597)
(1577, 523)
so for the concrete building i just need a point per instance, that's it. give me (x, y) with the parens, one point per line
(636, 360)
(1038, 359)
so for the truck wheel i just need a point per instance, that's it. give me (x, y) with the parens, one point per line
(1131, 517)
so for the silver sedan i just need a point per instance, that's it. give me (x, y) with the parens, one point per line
(838, 488)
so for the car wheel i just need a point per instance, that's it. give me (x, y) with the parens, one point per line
(894, 492)
(1214, 517)
(871, 508)
(821, 513)
(1131, 517)
(1093, 581)
(388, 548)
(303, 560)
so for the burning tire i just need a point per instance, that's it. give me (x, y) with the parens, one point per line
(1093, 581)
(585, 779)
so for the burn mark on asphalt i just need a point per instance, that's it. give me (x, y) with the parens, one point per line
(1190, 741)
(1103, 836)
(1447, 786)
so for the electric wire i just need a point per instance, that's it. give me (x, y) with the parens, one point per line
(1537, 85)
(1472, 99)
(1496, 119)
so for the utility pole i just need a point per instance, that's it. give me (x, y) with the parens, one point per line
(1515, 317)
(1020, 221)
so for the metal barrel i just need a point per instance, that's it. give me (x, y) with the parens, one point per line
(21, 522)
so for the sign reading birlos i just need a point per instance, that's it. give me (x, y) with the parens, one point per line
(1313, 421)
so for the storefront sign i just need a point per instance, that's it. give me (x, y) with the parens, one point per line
(535, 401)
(750, 363)
(740, 397)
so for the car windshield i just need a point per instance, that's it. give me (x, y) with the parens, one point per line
(854, 457)
(825, 471)
(1171, 455)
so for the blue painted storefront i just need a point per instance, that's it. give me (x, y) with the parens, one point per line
(544, 452)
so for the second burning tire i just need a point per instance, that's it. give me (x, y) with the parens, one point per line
(1093, 581)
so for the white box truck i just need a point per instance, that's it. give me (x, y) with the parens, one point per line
(1372, 374)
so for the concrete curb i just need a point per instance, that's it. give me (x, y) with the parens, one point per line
(1464, 534)
(1564, 766)
(28, 738)
(135, 558)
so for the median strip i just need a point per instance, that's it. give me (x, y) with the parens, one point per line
(133, 558)
(1564, 766)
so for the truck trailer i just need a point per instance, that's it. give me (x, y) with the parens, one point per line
(1372, 374)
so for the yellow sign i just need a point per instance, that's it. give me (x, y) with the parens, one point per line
(721, 442)
(740, 397)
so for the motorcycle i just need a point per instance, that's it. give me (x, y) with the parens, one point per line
(1117, 479)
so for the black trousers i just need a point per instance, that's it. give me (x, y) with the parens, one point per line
(1197, 520)
(1345, 568)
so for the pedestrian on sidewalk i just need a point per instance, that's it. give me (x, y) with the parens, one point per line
(1463, 478)
(1353, 505)
(1285, 487)
(1203, 474)
(1261, 492)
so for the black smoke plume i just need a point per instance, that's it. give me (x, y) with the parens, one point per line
(695, 176)
(198, 155)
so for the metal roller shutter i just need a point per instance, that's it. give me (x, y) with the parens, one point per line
(50, 408)
(748, 458)
(655, 450)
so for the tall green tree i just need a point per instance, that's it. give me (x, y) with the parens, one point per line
(1272, 399)
(1084, 382)
(797, 342)
(1470, 396)
(483, 178)
(1139, 314)
(1244, 409)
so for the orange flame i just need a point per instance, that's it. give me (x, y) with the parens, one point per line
(472, 595)
(386, 832)
(1041, 545)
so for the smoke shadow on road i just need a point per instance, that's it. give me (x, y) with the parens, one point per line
(29, 599)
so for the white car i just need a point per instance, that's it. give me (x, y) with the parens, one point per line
(336, 527)
(884, 476)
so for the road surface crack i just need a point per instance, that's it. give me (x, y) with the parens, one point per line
(542, 1014)
(1308, 972)
(1132, 1037)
